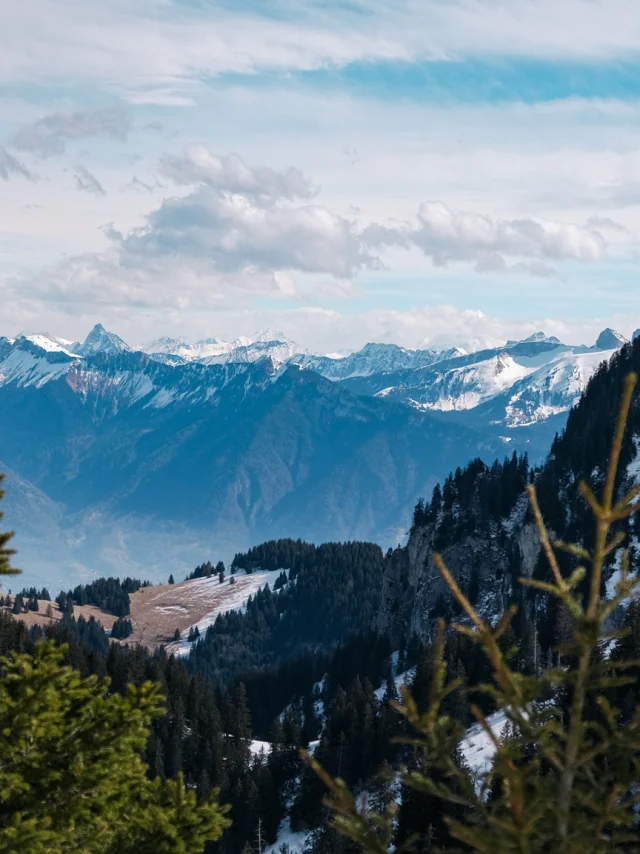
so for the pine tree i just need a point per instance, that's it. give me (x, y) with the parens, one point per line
(71, 772)
(171, 581)
(566, 779)
(383, 788)
(6, 553)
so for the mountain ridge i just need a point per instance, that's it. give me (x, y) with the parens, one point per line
(256, 448)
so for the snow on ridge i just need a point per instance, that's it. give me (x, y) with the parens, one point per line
(27, 369)
(470, 385)
(49, 344)
(552, 388)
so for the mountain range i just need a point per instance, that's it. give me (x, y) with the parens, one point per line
(141, 460)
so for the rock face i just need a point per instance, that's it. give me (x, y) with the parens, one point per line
(414, 594)
(609, 339)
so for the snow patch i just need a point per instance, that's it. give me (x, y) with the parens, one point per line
(477, 748)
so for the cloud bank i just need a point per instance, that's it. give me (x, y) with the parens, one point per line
(241, 231)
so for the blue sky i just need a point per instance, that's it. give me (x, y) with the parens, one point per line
(345, 172)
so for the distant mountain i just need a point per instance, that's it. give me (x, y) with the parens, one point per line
(101, 341)
(140, 461)
(211, 351)
(524, 385)
(147, 467)
(373, 359)
(465, 346)
(609, 339)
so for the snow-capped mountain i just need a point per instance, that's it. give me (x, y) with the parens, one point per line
(463, 348)
(33, 360)
(544, 395)
(521, 385)
(465, 387)
(537, 337)
(99, 340)
(189, 352)
(211, 351)
(373, 359)
(609, 339)
(530, 380)
(44, 341)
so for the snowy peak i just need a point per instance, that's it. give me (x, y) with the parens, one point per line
(609, 339)
(45, 342)
(263, 336)
(212, 351)
(470, 385)
(99, 340)
(33, 360)
(539, 338)
(550, 390)
(197, 351)
(163, 345)
(448, 343)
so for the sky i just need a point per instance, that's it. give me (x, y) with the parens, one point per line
(404, 171)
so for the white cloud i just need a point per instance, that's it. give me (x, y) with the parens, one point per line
(605, 223)
(243, 232)
(447, 235)
(232, 233)
(231, 174)
(87, 182)
(158, 49)
(50, 134)
(212, 247)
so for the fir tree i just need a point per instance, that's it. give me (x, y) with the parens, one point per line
(6, 553)
(122, 628)
(70, 769)
(171, 581)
